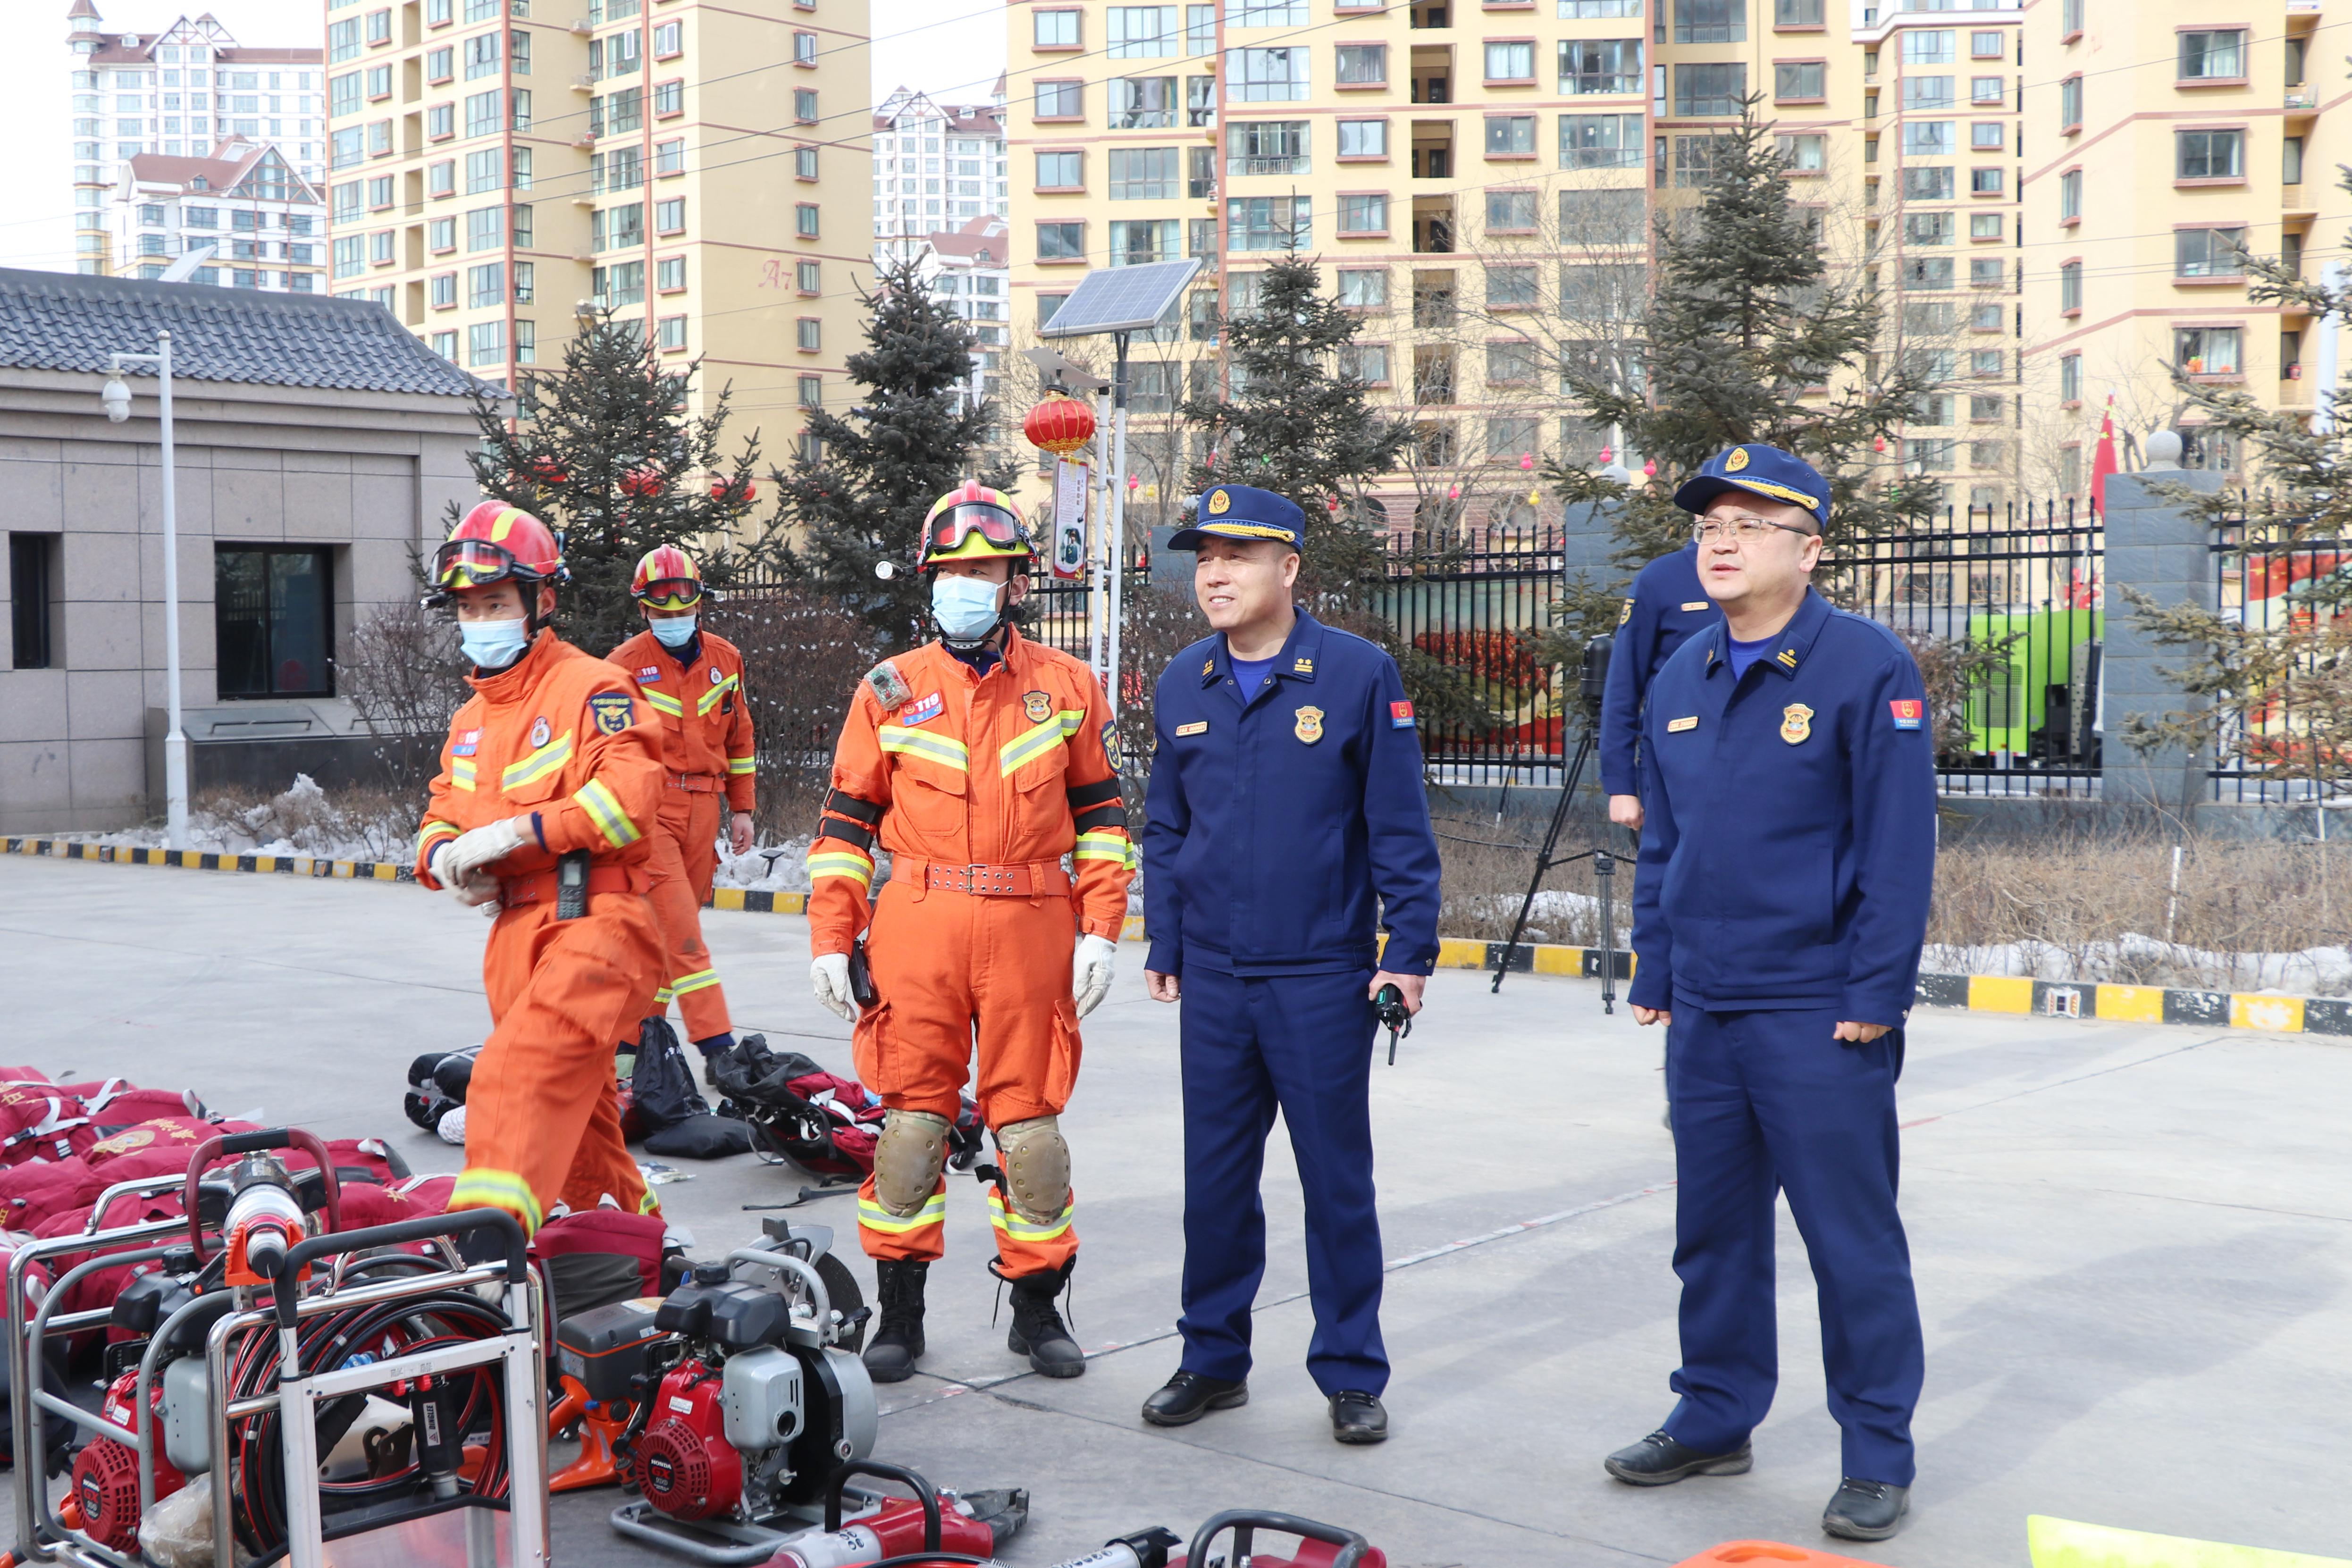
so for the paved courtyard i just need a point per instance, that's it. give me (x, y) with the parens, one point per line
(2131, 1245)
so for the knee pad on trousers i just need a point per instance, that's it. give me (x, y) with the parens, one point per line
(908, 1159)
(1036, 1167)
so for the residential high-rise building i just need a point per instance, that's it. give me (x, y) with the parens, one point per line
(178, 93)
(935, 167)
(971, 270)
(256, 224)
(700, 170)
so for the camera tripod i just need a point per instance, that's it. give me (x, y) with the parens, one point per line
(1593, 685)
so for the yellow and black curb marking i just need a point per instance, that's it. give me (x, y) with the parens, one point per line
(1978, 993)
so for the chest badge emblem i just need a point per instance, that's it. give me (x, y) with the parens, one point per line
(539, 732)
(1309, 727)
(1037, 705)
(714, 676)
(1796, 722)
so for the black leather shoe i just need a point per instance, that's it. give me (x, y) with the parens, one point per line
(1358, 1417)
(1189, 1395)
(1658, 1460)
(1865, 1510)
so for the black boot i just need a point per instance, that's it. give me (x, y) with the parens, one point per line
(1037, 1330)
(897, 1342)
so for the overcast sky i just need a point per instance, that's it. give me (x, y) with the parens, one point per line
(952, 49)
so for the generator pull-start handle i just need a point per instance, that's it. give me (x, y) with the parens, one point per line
(1352, 1546)
(924, 1494)
(212, 1148)
(399, 1233)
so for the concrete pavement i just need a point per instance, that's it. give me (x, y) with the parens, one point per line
(2129, 1245)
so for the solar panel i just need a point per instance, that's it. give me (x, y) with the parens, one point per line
(1122, 299)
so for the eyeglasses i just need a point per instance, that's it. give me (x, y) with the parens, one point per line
(1743, 530)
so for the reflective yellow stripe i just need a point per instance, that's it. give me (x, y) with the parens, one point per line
(742, 764)
(663, 996)
(604, 809)
(1071, 718)
(710, 699)
(701, 979)
(461, 773)
(668, 704)
(479, 1188)
(1030, 745)
(849, 864)
(539, 764)
(923, 743)
(1010, 1221)
(1101, 846)
(432, 831)
(648, 1204)
(872, 1216)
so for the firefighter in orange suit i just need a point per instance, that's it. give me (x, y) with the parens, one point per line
(693, 682)
(551, 777)
(978, 761)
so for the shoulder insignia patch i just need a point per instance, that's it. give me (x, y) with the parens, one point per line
(1209, 666)
(1626, 613)
(1699, 604)
(929, 708)
(1302, 666)
(1110, 742)
(1200, 726)
(1677, 726)
(1787, 657)
(1400, 715)
(613, 711)
(1908, 712)
(889, 687)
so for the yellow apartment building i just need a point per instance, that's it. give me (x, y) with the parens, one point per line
(498, 166)
(2165, 139)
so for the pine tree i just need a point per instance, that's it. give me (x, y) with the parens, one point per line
(861, 499)
(1294, 424)
(606, 452)
(1743, 328)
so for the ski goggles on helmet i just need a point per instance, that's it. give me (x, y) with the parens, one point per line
(476, 563)
(953, 527)
(671, 593)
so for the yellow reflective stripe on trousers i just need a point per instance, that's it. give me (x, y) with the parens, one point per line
(1101, 846)
(665, 704)
(481, 1188)
(739, 766)
(710, 699)
(539, 764)
(849, 864)
(941, 748)
(1030, 745)
(461, 773)
(1009, 1220)
(604, 809)
(872, 1216)
(701, 979)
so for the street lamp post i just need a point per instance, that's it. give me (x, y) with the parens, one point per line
(116, 399)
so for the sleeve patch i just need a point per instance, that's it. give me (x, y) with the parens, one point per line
(1626, 613)
(890, 687)
(1907, 711)
(1400, 715)
(1110, 742)
(613, 711)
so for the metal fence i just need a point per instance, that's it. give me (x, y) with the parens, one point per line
(2269, 578)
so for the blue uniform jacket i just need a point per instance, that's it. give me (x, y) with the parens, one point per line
(1789, 838)
(1668, 607)
(1269, 828)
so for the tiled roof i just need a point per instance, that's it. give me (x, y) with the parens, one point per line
(62, 321)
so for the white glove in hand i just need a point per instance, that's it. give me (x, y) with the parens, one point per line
(829, 977)
(1090, 970)
(470, 888)
(476, 848)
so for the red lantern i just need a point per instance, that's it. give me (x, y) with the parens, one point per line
(1059, 426)
(1605, 454)
(718, 490)
(545, 470)
(1332, 505)
(641, 482)
(1527, 461)
(1878, 443)
(1650, 469)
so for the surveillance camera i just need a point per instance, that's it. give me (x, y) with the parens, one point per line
(116, 397)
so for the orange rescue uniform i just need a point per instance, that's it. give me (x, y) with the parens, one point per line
(563, 737)
(978, 785)
(705, 742)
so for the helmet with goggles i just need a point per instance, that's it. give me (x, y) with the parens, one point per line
(666, 579)
(972, 522)
(497, 543)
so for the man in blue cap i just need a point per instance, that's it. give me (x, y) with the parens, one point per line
(1665, 610)
(1788, 846)
(1286, 797)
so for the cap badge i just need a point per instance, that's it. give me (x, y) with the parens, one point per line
(1309, 727)
(1220, 503)
(539, 732)
(1796, 722)
(1737, 461)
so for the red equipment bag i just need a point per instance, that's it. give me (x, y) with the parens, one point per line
(599, 1256)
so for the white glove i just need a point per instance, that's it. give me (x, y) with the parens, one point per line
(1090, 968)
(829, 977)
(471, 888)
(452, 1127)
(471, 851)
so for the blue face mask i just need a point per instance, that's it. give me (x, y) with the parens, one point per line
(493, 644)
(965, 607)
(674, 632)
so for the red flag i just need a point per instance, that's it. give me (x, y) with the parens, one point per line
(2103, 462)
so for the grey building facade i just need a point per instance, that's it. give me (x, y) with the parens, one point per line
(318, 447)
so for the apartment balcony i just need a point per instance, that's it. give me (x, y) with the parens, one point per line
(2294, 391)
(1432, 225)
(1433, 152)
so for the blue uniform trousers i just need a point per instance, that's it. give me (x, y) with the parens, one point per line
(1303, 1042)
(1766, 1102)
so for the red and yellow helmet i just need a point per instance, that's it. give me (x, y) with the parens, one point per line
(496, 543)
(972, 522)
(666, 579)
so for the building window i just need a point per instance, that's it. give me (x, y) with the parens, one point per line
(1054, 29)
(1143, 32)
(1600, 66)
(1803, 153)
(1060, 100)
(1266, 147)
(619, 285)
(1510, 288)
(1143, 173)
(446, 344)
(378, 81)
(1365, 288)
(1266, 76)
(1061, 242)
(441, 178)
(2070, 103)
(482, 55)
(440, 121)
(1363, 139)
(1600, 140)
(804, 163)
(1364, 214)
(2070, 285)
(1268, 223)
(486, 285)
(804, 105)
(441, 290)
(1799, 79)
(2208, 253)
(2207, 350)
(273, 622)
(669, 332)
(1928, 139)
(485, 113)
(810, 334)
(1604, 217)
(1364, 64)
(2209, 155)
(1366, 362)
(485, 170)
(1985, 317)
(2070, 378)
(440, 236)
(1696, 158)
(812, 391)
(1986, 92)
(1984, 226)
(2219, 55)
(1986, 272)
(1136, 241)
(670, 158)
(486, 343)
(669, 273)
(486, 228)
(669, 40)
(1926, 94)
(669, 99)
(343, 41)
(1797, 12)
(1513, 61)
(1986, 181)
(1709, 21)
(1061, 170)
(1709, 89)
(1510, 212)
(1142, 103)
(1985, 136)
(669, 216)
(1510, 136)
(1927, 228)
(380, 244)
(2070, 195)
(31, 598)
(1929, 183)
(805, 218)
